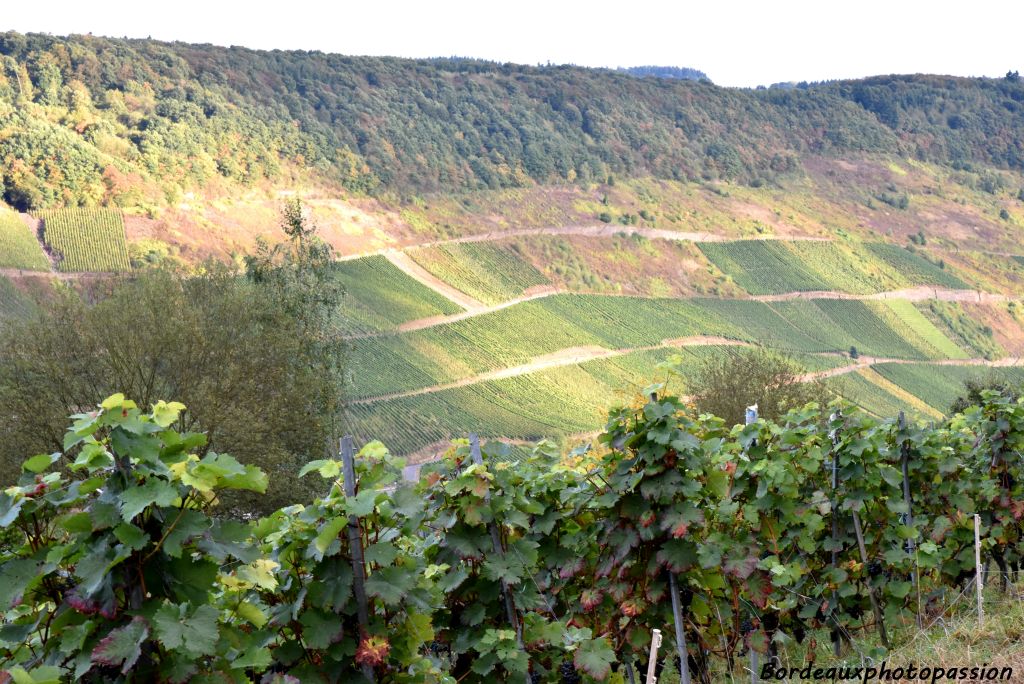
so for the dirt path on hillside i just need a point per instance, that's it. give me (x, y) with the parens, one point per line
(60, 275)
(913, 294)
(599, 230)
(414, 270)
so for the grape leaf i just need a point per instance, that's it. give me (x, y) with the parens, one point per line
(134, 500)
(595, 657)
(192, 632)
(320, 628)
(390, 584)
(38, 464)
(122, 646)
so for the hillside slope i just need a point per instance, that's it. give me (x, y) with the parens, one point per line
(92, 120)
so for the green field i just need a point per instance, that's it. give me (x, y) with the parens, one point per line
(87, 239)
(491, 273)
(379, 296)
(937, 385)
(913, 267)
(19, 248)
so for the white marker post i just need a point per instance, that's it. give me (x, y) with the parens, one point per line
(653, 662)
(978, 577)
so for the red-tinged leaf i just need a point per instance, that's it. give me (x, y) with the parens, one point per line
(590, 599)
(373, 651)
(123, 646)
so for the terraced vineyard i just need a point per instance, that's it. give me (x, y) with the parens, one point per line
(87, 239)
(380, 296)
(939, 385)
(516, 335)
(19, 248)
(914, 268)
(764, 267)
(767, 267)
(859, 389)
(489, 272)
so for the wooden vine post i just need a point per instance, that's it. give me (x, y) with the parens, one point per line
(355, 543)
(871, 590)
(908, 517)
(978, 576)
(510, 608)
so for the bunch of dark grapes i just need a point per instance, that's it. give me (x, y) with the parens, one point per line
(685, 597)
(875, 568)
(746, 627)
(536, 678)
(569, 674)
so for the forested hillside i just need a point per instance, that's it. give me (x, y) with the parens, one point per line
(91, 121)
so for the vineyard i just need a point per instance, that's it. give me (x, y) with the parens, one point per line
(19, 248)
(379, 296)
(916, 269)
(549, 404)
(491, 273)
(454, 351)
(939, 386)
(825, 526)
(766, 267)
(87, 239)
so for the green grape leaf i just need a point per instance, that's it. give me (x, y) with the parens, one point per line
(38, 464)
(595, 657)
(320, 628)
(122, 646)
(192, 632)
(328, 534)
(134, 500)
(327, 467)
(390, 584)
(9, 509)
(180, 529)
(15, 577)
(252, 613)
(44, 674)
(131, 536)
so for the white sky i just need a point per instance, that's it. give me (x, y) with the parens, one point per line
(736, 42)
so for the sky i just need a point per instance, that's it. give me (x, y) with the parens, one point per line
(737, 43)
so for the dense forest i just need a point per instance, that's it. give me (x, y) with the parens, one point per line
(91, 121)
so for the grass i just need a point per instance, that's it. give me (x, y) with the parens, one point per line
(951, 637)
(87, 239)
(19, 248)
(489, 272)
(380, 296)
